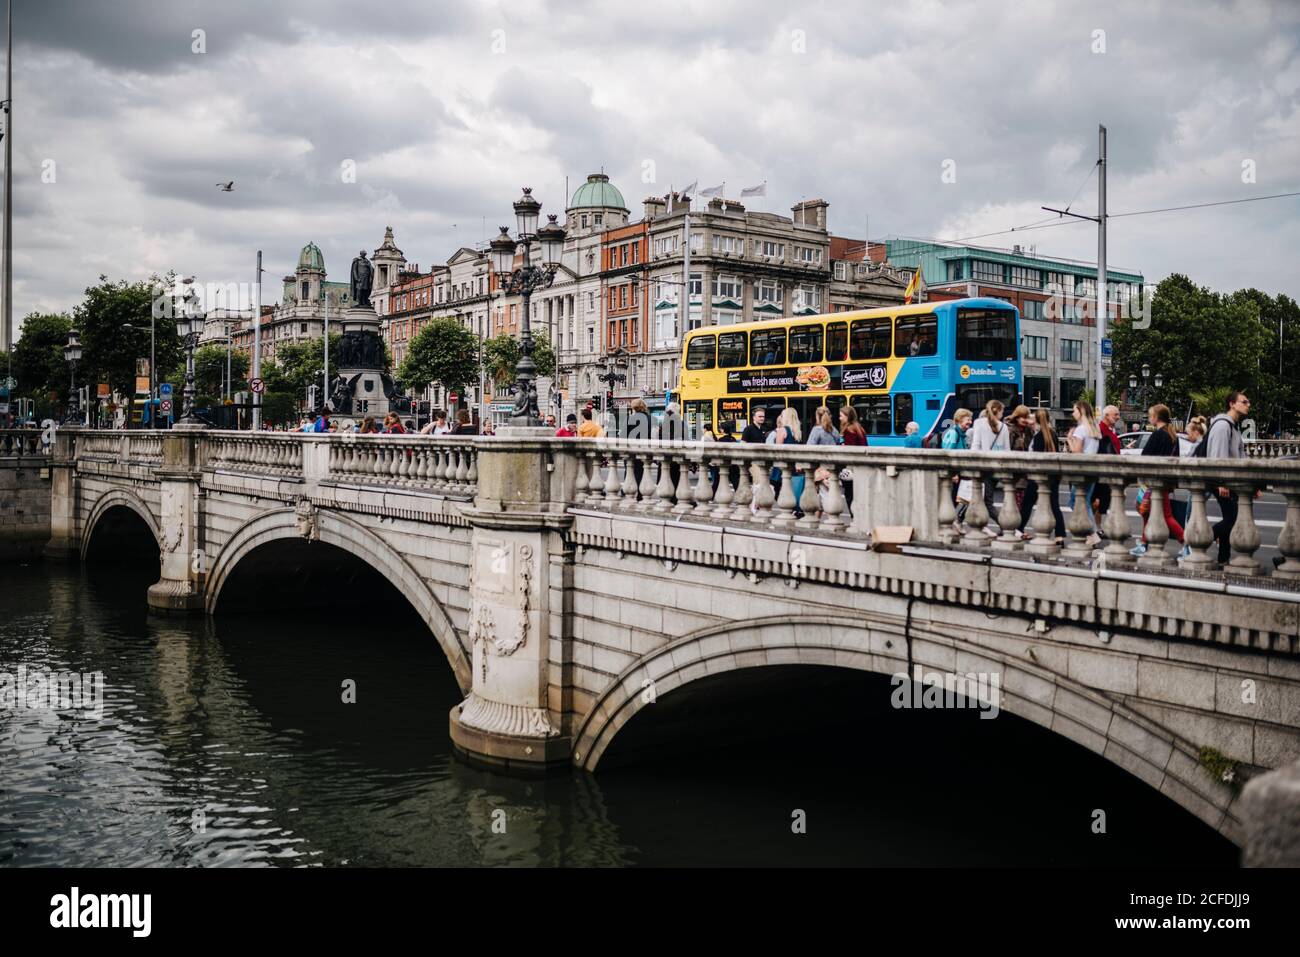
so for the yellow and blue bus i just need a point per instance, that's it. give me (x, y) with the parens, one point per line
(894, 365)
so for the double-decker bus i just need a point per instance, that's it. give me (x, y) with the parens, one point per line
(894, 365)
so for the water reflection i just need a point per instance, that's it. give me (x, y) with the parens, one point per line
(226, 742)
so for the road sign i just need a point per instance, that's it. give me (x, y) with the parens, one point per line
(1106, 361)
(165, 407)
(165, 389)
(1106, 349)
(257, 385)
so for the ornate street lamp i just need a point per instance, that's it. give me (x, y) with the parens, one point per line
(189, 326)
(523, 281)
(1146, 381)
(72, 355)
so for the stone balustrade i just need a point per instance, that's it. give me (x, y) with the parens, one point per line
(1272, 448)
(273, 453)
(22, 442)
(444, 464)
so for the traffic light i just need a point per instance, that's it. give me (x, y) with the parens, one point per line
(313, 392)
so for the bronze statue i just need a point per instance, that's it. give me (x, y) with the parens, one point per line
(362, 276)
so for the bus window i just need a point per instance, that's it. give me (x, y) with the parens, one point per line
(869, 338)
(916, 335)
(873, 413)
(902, 412)
(699, 352)
(986, 335)
(699, 416)
(806, 343)
(767, 347)
(734, 410)
(731, 350)
(837, 341)
(772, 406)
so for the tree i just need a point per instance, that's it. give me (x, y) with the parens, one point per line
(444, 351)
(110, 352)
(1211, 401)
(1197, 339)
(210, 374)
(38, 363)
(300, 363)
(501, 355)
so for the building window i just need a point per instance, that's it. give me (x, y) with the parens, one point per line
(303, 328)
(636, 253)
(1071, 350)
(1031, 309)
(987, 271)
(726, 287)
(840, 271)
(1027, 277)
(697, 242)
(591, 338)
(775, 250)
(808, 254)
(1036, 348)
(599, 218)
(767, 291)
(954, 270)
(697, 285)
(1038, 390)
(807, 298)
(591, 302)
(1070, 390)
(583, 220)
(306, 290)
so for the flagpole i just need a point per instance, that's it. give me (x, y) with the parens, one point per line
(7, 321)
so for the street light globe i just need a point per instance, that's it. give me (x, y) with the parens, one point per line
(502, 253)
(1146, 371)
(1160, 380)
(1132, 382)
(72, 351)
(526, 212)
(552, 240)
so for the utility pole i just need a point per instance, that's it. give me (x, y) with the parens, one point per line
(1099, 392)
(325, 294)
(256, 346)
(7, 319)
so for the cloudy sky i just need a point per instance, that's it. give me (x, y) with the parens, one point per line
(447, 109)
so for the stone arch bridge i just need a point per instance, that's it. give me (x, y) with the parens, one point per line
(570, 584)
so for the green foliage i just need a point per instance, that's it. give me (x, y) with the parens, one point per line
(1201, 341)
(501, 355)
(443, 351)
(110, 351)
(280, 408)
(299, 363)
(210, 373)
(1211, 401)
(38, 362)
(1220, 767)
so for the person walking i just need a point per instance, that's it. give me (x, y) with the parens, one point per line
(463, 424)
(754, 430)
(1044, 440)
(1084, 439)
(824, 432)
(368, 426)
(914, 438)
(589, 427)
(1163, 441)
(570, 428)
(988, 434)
(1223, 441)
(393, 425)
(851, 433)
(788, 432)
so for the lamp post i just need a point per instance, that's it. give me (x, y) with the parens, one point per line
(615, 372)
(189, 326)
(523, 281)
(1142, 388)
(72, 355)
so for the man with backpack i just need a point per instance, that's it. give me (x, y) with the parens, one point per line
(1223, 441)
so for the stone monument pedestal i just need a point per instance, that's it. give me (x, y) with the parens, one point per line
(364, 386)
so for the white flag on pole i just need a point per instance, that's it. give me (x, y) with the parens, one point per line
(713, 190)
(688, 190)
(759, 190)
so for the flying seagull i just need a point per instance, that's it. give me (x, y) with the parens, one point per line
(226, 187)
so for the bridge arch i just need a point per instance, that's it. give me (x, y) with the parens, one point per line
(349, 536)
(117, 498)
(1120, 735)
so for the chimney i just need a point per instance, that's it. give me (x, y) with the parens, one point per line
(653, 206)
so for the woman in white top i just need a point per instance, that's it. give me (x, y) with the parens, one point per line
(988, 434)
(1084, 439)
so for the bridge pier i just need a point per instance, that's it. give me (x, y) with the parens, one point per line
(65, 542)
(179, 589)
(507, 721)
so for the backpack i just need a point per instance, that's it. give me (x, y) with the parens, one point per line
(1203, 446)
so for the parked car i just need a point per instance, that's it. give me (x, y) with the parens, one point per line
(1132, 443)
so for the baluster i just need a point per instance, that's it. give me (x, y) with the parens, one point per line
(403, 464)
(394, 461)
(726, 493)
(612, 484)
(1288, 543)
(744, 494)
(703, 490)
(580, 479)
(1008, 517)
(441, 468)
(595, 481)
(977, 513)
(948, 533)
(664, 487)
(422, 466)
(1077, 524)
(1041, 519)
(1157, 530)
(683, 492)
(764, 495)
(462, 467)
(471, 474)
(1115, 524)
(809, 501)
(629, 486)
(647, 486)
(783, 513)
(833, 510)
(1198, 534)
(379, 463)
(1245, 538)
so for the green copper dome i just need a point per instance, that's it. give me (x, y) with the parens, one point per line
(311, 258)
(598, 191)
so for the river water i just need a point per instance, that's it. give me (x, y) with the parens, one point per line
(226, 742)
